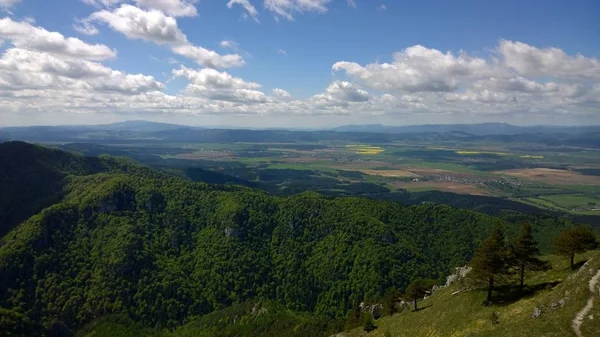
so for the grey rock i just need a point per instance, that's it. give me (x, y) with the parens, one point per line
(537, 312)
(376, 310)
(459, 272)
(402, 305)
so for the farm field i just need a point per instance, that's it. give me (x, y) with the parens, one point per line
(556, 178)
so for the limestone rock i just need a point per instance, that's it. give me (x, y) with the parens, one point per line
(537, 312)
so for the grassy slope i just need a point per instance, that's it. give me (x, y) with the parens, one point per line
(463, 314)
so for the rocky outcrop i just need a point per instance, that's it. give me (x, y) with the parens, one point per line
(376, 310)
(459, 273)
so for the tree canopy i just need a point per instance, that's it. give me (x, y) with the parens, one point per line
(491, 260)
(418, 289)
(575, 240)
(119, 238)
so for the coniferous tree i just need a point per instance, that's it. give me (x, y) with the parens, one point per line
(368, 325)
(491, 260)
(389, 300)
(524, 252)
(418, 288)
(575, 240)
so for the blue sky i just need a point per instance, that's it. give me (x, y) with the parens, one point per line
(523, 62)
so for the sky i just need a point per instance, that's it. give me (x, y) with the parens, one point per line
(299, 63)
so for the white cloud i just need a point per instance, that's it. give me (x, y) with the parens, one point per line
(346, 91)
(524, 85)
(419, 84)
(85, 27)
(171, 7)
(136, 23)
(351, 3)
(250, 9)
(340, 93)
(208, 58)
(532, 61)
(417, 69)
(382, 7)
(25, 36)
(285, 8)
(174, 8)
(213, 79)
(282, 52)
(229, 44)
(281, 94)
(102, 3)
(213, 84)
(22, 69)
(480, 96)
(156, 27)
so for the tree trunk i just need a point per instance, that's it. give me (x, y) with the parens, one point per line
(522, 277)
(572, 260)
(490, 288)
(415, 304)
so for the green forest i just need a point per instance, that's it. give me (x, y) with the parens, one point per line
(104, 240)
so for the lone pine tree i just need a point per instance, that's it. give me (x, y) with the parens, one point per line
(491, 260)
(523, 254)
(575, 240)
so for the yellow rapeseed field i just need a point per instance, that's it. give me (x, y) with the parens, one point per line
(365, 149)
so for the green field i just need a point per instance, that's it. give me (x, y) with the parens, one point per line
(469, 167)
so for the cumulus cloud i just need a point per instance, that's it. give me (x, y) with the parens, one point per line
(351, 3)
(553, 62)
(250, 9)
(102, 3)
(24, 69)
(43, 71)
(213, 79)
(173, 8)
(136, 23)
(417, 68)
(340, 93)
(285, 8)
(156, 27)
(282, 52)
(213, 84)
(26, 36)
(208, 58)
(281, 94)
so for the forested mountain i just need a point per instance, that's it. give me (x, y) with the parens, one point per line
(101, 236)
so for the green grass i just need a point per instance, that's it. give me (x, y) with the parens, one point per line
(444, 314)
(571, 199)
(291, 167)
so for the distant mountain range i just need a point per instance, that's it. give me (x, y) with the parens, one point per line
(146, 131)
(480, 129)
(473, 129)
